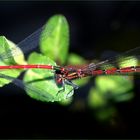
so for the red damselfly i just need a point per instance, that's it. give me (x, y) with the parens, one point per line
(65, 75)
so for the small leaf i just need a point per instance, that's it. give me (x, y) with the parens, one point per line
(7, 58)
(113, 87)
(95, 99)
(8, 52)
(54, 40)
(103, 110)
(44, 81)
(106, 114)
(128, 61)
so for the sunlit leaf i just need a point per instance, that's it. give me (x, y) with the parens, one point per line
(54, 42)
(9, 59)
(128, 61)
(8, 52)
(44, 81)
(66, 101)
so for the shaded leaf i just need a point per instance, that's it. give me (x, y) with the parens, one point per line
(106, 114)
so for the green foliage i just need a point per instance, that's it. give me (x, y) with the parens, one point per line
(5, 46)
(113, 85)
(44, 80)
(104, 114)
(108, 90)
(127, 61)
(54, 46)
(96, 100)
(8, 49)
(54, 41)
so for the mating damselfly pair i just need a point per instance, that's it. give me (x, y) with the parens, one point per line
(124, 64)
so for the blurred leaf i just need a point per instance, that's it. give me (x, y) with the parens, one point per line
(43, 80)
(54, 42)
(113, 86)
(128, 61)
(5, 47)
(95, 99)
(124, 97)
(103, 110)
(105, 114)
(66, 101)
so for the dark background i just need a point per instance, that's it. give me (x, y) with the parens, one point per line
(96, 28)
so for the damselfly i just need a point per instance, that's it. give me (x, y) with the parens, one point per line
(65, 74)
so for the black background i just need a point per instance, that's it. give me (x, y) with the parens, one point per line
(90, 23)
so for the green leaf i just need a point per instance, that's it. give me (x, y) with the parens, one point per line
(103, 111)
(95, 99)
(66, 101)
(106, 114)
(8, 52)
(115, 87)
(8, 58)
(54, 41)
(128, 61)
(124, 97)
(43, 81)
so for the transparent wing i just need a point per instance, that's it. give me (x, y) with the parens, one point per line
(126, 59)
(28, 44)
(40, 92)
